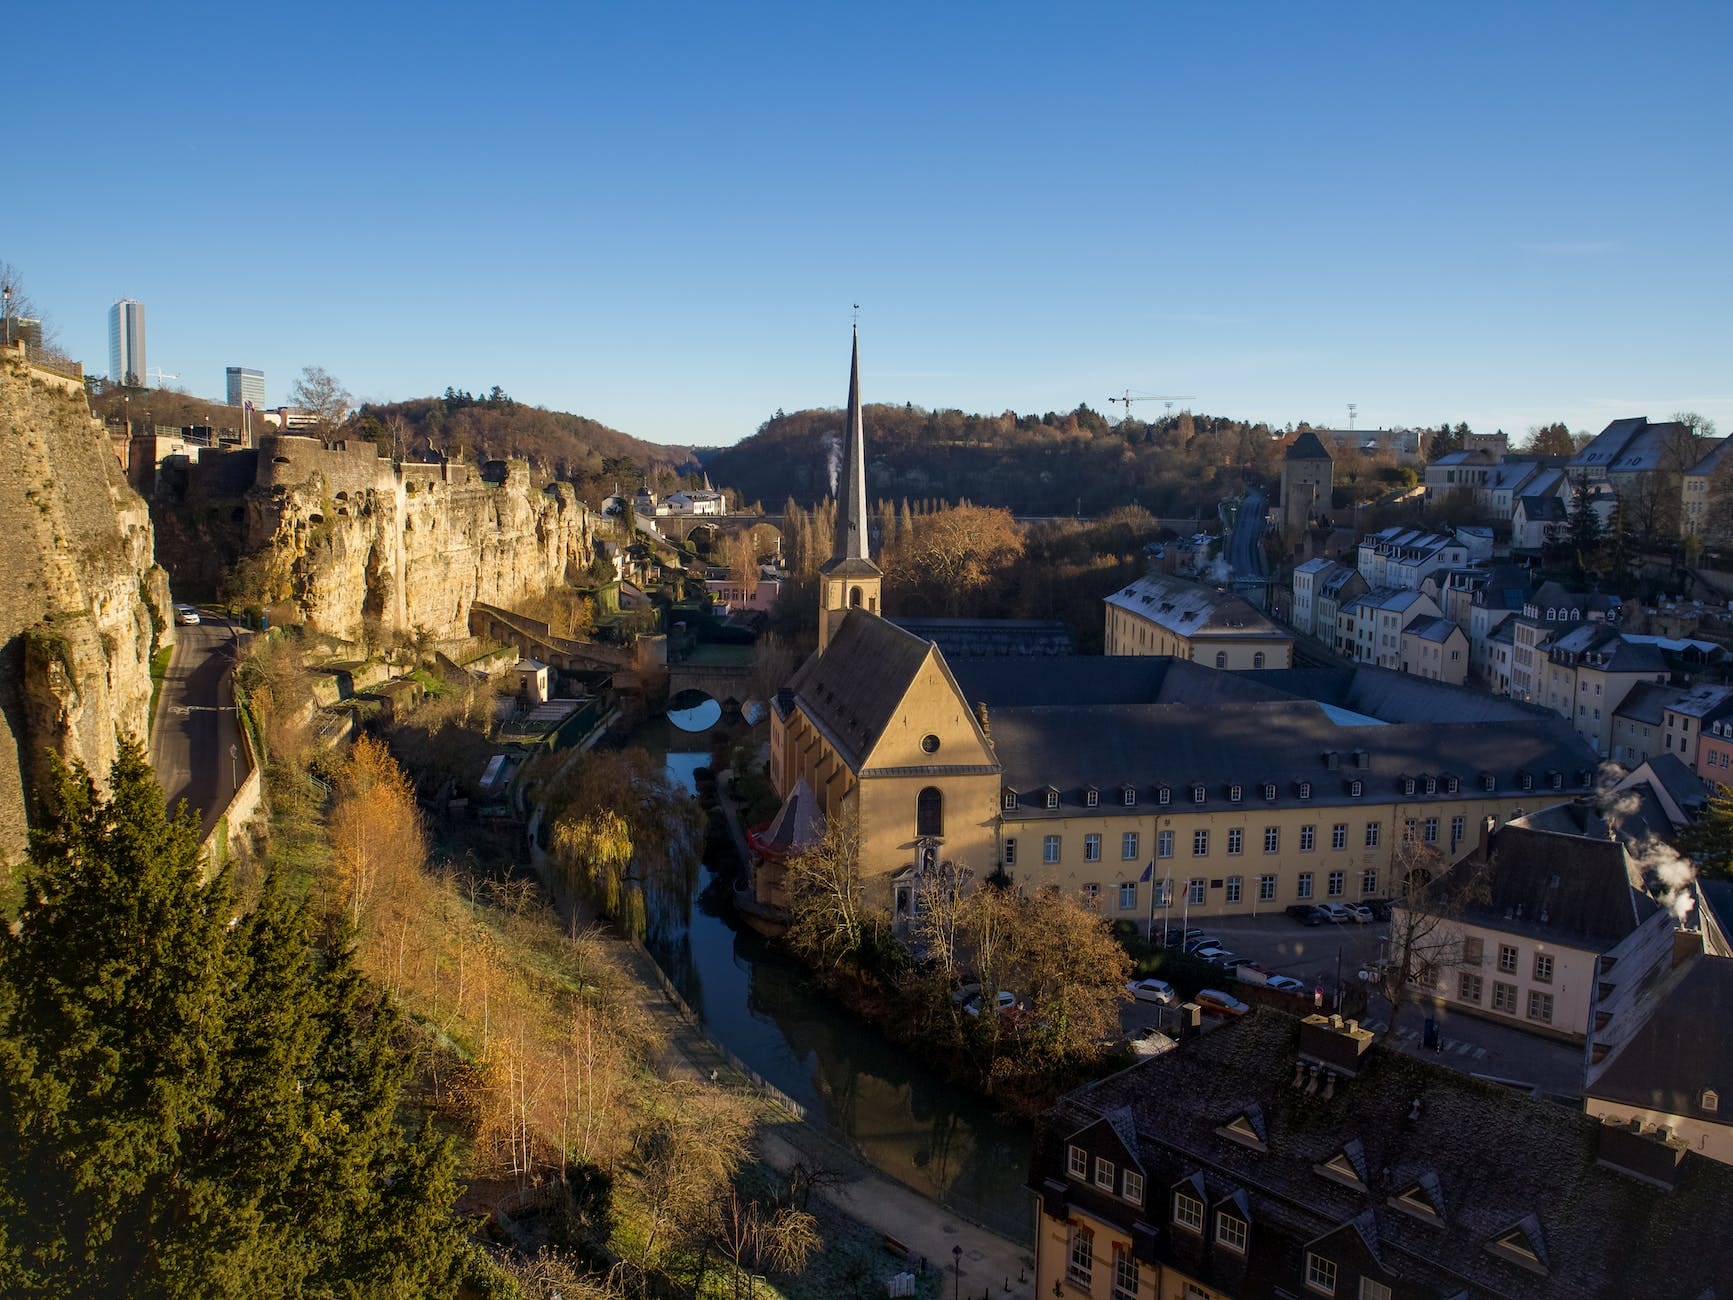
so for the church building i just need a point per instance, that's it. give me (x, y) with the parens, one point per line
(1149, 786)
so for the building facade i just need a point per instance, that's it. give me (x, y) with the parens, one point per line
(1160, 615)
(126, 342)
(244, 386)
(1308, 478)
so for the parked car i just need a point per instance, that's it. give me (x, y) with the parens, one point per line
(1380, 908)
(1286, 983)
(1177, 938)
(1211, 953)
(1334, 912)
(1234, 964)
(1149, 1042)
(963, 993)
(1219, 1003)
(1360, 912)
(1306, 914)
(1152, 991)
(186, 616)
(1003, 1003)
(1202, 941)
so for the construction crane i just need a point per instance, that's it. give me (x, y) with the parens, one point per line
(1128, 398)
(160, 376)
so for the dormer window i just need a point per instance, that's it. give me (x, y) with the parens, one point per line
(1356, 789)
(1233, 794)
(1522, 1244)
(1091, 797)
(1128, 795)
(1231, 1231)
(1451, 785)
(1077, 1163)
(1526, 780)
(1008, 801)
(1197, 794)
(1246, 1128)
(1163, 795)
(1345, 1166)
(1305, 789)
(1104, 1173)
(1709, 1100)
(1423, 1200)
(1269, 792)
(1052, 797)
(1488, 781)
(1558, 780)
(1133, 1186)
(1187, 1211)
(1407, 785)
(1431, 785)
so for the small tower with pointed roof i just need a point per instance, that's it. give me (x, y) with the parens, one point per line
(1308, 475)
(849, 579)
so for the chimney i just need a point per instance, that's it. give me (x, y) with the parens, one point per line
(1686, 945)
(1651, 1156)
(981, 717)
(1334, 1043)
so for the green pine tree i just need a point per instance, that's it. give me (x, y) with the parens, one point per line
(192, 1102)
(1708, 841)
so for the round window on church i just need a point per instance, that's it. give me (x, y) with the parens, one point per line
(930, 744)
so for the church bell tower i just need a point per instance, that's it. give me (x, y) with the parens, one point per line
(849, 579)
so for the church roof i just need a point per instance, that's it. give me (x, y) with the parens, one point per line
(851, 691)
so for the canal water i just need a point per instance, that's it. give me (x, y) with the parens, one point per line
(904, 1119)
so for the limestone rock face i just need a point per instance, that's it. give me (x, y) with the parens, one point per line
(81, 597)
(408, 549)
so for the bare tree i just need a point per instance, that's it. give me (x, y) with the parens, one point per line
(318, 392)
(829, 919)
(1426, 937)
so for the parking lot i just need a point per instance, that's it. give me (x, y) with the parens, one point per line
(1314, 954)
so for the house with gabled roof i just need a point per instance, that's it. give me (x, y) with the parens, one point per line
(1273, 1158)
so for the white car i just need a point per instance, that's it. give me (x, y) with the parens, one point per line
(1002, 1003)
(1361, 913)
(1152, 991)
(1334, 912)
(186, 616)
(1210, 952)
(1285, 983)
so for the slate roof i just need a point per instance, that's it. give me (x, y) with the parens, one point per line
(1306, 447)
(851, 690)
(1711, 462)
(1678, 780)
(1575, 887)
(1702, 700)
(1492, 1160)
(960, 638)
(1251, 744)
(1433, 629)
(1668, 1063)
(1630, 446)
(1543, 509)
(1392, 696)
(1610, 652)
(1646, 702)
(1190, 609)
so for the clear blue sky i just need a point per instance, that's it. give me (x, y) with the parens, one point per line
(658, 216)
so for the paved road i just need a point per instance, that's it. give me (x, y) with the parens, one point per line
(1245, 551)
(195, 723)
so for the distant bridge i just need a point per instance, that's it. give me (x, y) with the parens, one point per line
(534, 639)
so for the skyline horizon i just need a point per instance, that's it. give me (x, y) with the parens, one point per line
(1490, 215)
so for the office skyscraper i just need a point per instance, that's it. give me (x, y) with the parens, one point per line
(126, 342)
(246, 386)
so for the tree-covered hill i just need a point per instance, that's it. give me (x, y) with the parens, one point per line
(1055, 463)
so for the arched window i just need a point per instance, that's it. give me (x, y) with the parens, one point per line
(930, 812)
(1221, 659)
(854, 597)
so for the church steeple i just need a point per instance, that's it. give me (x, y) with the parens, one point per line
(849, 579)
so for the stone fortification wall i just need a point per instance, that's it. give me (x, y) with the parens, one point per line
(356, 542)
(81, 597)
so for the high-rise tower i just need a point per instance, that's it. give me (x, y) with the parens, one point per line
(849, 579)
(126, 342)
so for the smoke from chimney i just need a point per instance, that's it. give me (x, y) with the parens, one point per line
(833, 459)
(1220, 570)
(1672, 871)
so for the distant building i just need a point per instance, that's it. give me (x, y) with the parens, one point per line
(126, 342)
(246, 386)
(26, 330)
(1587, 674)
(1308, 476)
(1403, 557)
(1158, 615)
(1369, 628)
(1694, 517)
(1436, 649)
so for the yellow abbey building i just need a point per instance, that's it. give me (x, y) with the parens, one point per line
(1150, 786)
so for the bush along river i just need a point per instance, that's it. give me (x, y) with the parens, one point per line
(903, 1118)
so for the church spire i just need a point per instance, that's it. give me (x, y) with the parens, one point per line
(851, 505)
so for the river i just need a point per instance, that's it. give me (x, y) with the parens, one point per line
(904, 1119)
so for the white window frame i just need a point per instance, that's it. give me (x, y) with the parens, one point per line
(1129, 844)
(1050, 849)
(1104, 1173)
(1234, 1238)
(1075, 1157)
(1321, 1274)
(1092, 847)
(1132, 1183)
(1183, 1214)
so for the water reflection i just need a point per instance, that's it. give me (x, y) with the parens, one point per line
(906, 1120)
(700, 717)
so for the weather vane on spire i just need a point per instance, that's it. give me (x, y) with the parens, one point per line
(857, 315)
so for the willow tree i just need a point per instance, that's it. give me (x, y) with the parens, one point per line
(594, 852)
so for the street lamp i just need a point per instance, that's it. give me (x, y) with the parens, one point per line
(956, 1264)
(6, 293)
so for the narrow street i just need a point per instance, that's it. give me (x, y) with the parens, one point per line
(195, 739)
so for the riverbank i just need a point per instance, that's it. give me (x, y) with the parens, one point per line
(853, 1187)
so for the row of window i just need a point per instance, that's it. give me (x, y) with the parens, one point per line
(1409, 785)
(1130, 842)
(1336, 883)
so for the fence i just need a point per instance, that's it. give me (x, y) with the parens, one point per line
(1019, 1230)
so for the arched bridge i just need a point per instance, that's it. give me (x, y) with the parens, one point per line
(534, 639)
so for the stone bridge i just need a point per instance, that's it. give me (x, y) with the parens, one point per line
(723, 672)
(535, 640)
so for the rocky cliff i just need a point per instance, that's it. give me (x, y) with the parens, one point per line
(81, 597)
(355, 541)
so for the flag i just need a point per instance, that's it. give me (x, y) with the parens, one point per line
(1148, 874)
(248, 405)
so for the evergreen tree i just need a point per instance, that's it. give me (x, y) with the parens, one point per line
(1585, 526)
(195, 1103)
(1708, 841)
